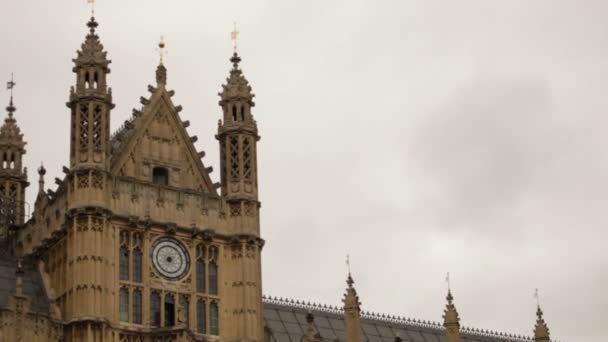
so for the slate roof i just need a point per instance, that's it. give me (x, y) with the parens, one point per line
(285, 321)
(32, 283)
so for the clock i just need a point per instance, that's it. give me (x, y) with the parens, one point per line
(170, 258)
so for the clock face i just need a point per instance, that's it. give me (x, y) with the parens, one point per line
(170, 258)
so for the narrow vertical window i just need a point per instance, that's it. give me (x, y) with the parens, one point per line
(124, 263)
(155, 309)
(137, 267)
(137, 306)
(234, 114)
(200, 276)
(212, 277)
(184, 310)
(169, 311)
(124, 304)
(201, 318)
(214, 322)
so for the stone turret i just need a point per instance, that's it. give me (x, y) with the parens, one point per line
(90, 102)
(238, 137)
(13, 176)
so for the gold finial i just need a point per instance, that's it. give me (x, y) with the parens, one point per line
(92, 3)
(234, 36)
(161, 49)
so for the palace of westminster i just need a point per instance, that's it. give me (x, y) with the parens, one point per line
(138, 244)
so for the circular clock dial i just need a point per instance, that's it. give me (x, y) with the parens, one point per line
(170, 258)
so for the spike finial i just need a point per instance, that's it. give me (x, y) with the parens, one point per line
(234, 36)
(10, 85)
(92, 3)
(161, 49)
(349, 279)
(92, 25)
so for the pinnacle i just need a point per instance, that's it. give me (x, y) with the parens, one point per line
(10, 109)
(235, 59)
(350, 281)
(161, 74)
(92, 24)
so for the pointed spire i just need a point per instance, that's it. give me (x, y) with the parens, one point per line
(451, 320)
(237, 87)
(91, 56)
(161, 70)
(541, 331)
(352, 311)
(10, 134)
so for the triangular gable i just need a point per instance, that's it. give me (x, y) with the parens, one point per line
(159, 139)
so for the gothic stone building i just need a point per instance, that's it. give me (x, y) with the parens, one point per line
(137, 244)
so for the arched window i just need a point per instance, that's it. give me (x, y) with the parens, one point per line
(201, 317)
(95, 79)
(169, 310)
(137, 265)
(124, 304)
(87, 79)
(243, 113)
(234, 117)
(155, 309)
(200, 276)
(214, 319)
(212, 277)
(137, 306)
(160, 176)
(124, 263)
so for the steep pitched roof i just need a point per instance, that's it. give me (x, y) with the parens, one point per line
(130, 134)
(33, 286)
(285, 321)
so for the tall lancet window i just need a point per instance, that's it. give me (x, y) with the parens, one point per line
(124, 304)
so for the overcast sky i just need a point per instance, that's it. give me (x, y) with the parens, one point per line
(420, 137)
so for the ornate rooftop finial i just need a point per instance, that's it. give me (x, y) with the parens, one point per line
(161, 70)
(235, 59)
(92, 24)
(161, 48)
(10, 85)
(234, 36)
(541, 331)
(41, 173)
